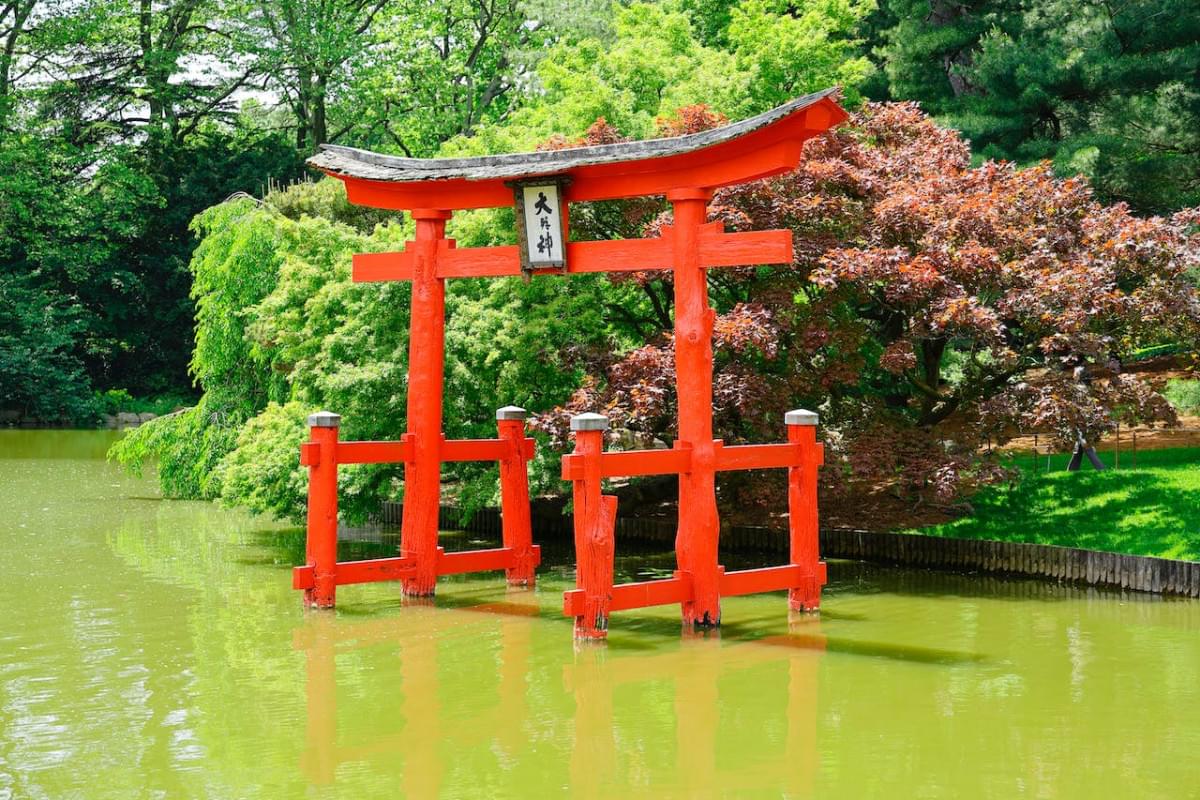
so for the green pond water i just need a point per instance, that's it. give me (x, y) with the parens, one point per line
(153, 648)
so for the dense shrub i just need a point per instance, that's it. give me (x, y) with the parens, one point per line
(1184, 395)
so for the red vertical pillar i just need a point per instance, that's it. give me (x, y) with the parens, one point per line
(516, 530)
(426, 360)
(699, 528)
(802, 510)
(321, 543)
(595, 516)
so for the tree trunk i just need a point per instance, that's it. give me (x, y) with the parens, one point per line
(946, 13)
(149, 67)
(20, 11)
(320, 132)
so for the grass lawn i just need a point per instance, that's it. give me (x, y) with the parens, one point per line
(1150, 510)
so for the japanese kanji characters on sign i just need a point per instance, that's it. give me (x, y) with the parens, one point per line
(542, 213)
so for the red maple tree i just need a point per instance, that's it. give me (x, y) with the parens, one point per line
(931, 304)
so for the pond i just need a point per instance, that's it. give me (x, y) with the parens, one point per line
(154, 648)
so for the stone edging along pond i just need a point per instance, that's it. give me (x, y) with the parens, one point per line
(1067, 564)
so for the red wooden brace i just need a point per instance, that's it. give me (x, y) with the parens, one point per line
(595, 522)
(803, 530)
(321, 544)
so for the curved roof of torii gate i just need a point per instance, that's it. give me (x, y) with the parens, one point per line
(758, 147)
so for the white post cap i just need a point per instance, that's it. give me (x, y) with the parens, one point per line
(324, 419)
(589, 422)
(510, 412)
(799, 416)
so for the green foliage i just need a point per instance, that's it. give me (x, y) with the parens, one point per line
(41, 378)
(1150, 511)
(234, 267)
(1154, 351)
(106, 255)
(1107, 90)
(186, 447)
(114, 401)
(653, 63)
(263, 472)
(790, 54)
(1184, 395)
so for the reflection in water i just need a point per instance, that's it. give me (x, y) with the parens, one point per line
(420, 738)
(602, 759)
(152, 648)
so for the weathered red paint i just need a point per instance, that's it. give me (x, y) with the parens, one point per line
(632, 462)
(346, 572)
(595, 519)
(506, 448)
(696, 541)
(321, 544)
(803, 527)
(426, 365)
(516, 527)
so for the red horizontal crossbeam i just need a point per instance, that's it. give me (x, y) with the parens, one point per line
(373, 452)
(767, 579)
(679, 460)
(720, 249)
(358, 453)
(679, 588)
(482, 449)
(717, 249)
(398, 568)
(347, 572)
(478, 560)
(630, 463)
(399, 452)
(759, 456)
(635, 595)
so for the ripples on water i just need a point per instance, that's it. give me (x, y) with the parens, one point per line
(156, 649)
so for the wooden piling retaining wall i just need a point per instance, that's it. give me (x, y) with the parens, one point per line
(1065, 564)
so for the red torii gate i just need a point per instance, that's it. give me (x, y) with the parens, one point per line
(686, 170)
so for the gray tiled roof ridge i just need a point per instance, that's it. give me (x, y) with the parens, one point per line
(368, 165)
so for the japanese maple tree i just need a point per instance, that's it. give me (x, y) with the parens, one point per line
(930, 304)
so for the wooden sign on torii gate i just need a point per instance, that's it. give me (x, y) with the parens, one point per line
(686, 170)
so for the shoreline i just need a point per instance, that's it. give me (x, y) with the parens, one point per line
(1070, 565)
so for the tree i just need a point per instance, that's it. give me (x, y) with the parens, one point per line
(401, 74)
(1101, 88)
(42, 378)
(930, 305)
(14, 17)
(97, 74)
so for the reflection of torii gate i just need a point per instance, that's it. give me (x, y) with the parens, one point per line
(425, 730)
(687, 170)
(594, 679)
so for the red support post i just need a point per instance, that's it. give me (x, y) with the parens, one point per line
(321, 542)
(426, 361)
(802, 511)
(699, 527)
(595, 519)
(516, 528)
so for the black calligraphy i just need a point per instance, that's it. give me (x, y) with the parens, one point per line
(545, 242)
